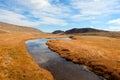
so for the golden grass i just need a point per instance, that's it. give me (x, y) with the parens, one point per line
(15, 61)
(100, 54)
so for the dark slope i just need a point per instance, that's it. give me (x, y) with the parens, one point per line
(83, 30)
(58, 32)
(90, 32)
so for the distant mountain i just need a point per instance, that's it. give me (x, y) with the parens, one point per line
(58, 32)
(90, 32)
(5, 27)
(82, 30)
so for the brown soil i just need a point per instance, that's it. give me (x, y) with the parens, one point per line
(100, 54)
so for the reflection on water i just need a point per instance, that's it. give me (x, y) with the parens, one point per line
(59, 67)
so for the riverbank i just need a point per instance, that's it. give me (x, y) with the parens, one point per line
(100, 54)
(15, 61)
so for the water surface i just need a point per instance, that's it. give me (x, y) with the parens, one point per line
(60, 68)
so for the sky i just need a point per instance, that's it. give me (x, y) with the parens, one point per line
(50, 15)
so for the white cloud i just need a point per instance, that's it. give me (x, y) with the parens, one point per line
(95, 7)
(91, 26)
(94, 10)
(48, 20)
(96, 0)
(40, 4)
(14, 18)
(49, 13)
(82, 18)
(39, 12)
(115, 21)
(43, 8)
(114, 28)
(40, 9)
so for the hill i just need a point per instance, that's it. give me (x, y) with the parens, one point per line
(15, 61)
(83, 30)
(15, 28)
(58, 32)
(91, 32)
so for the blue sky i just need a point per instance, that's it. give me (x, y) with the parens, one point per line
(50, 15)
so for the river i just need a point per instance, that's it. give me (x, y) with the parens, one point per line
(60, 68)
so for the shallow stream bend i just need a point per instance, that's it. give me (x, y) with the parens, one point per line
(60, 68)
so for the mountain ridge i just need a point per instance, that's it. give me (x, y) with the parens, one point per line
(83, 30)
(78, 30)
(91, 32)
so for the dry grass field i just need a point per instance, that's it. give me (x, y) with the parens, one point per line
(100, 54)
(15, 61)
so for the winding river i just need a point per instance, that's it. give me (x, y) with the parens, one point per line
(60, 68)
